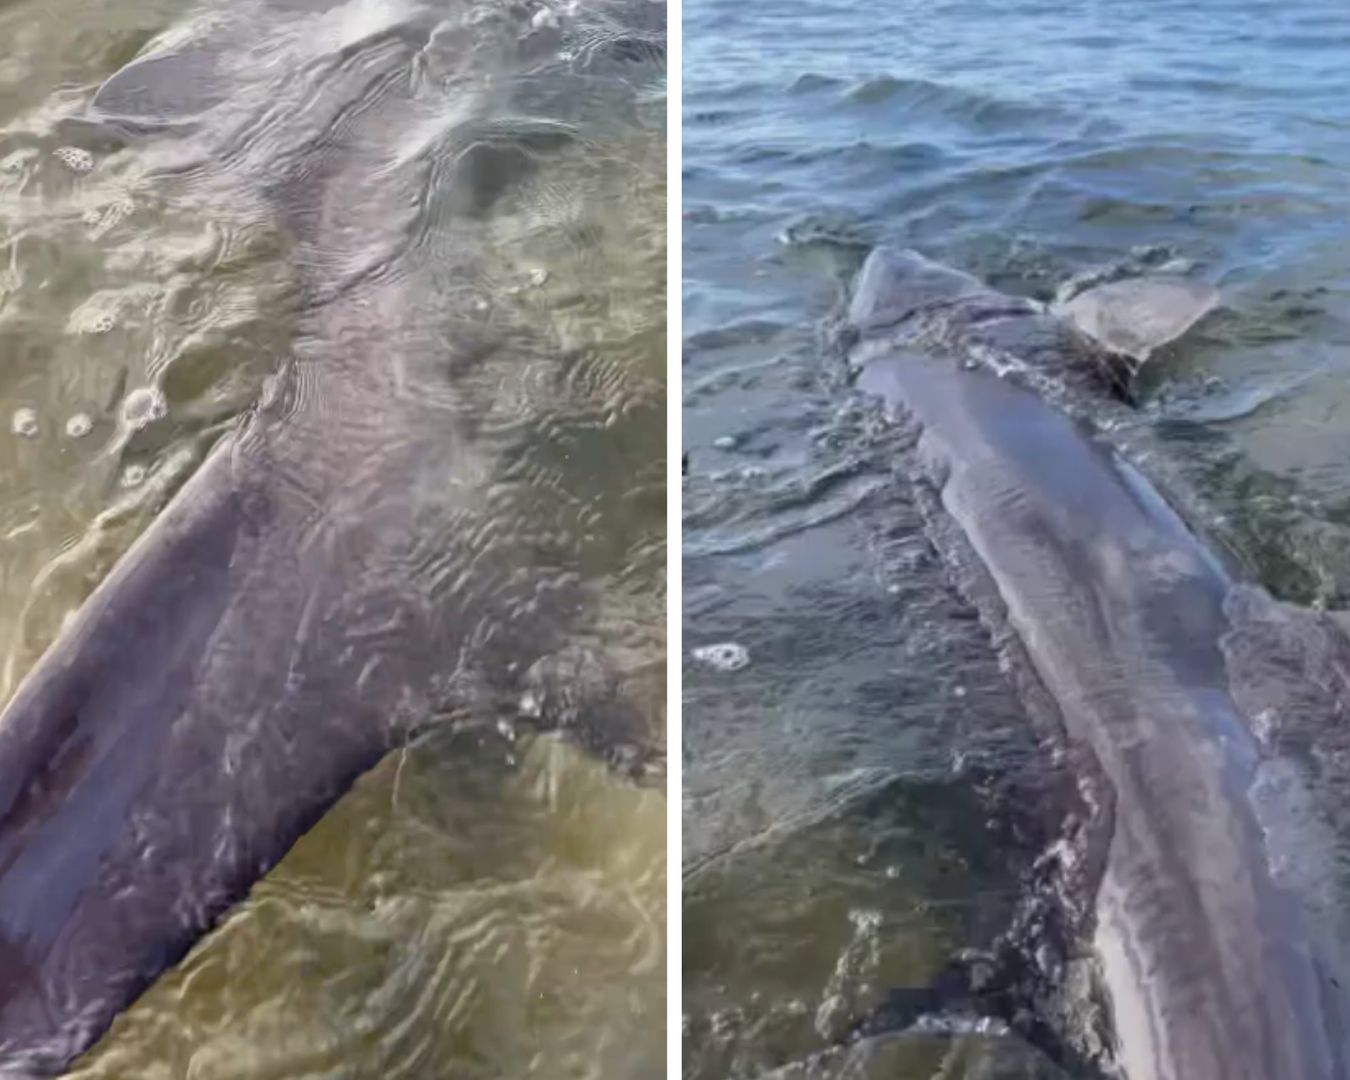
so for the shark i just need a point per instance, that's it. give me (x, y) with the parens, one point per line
(348, 564)
(1132, 643)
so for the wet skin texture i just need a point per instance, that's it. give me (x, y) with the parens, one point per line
(1121, 611)
(333, 575)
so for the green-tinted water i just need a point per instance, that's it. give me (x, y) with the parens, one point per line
(481, 904)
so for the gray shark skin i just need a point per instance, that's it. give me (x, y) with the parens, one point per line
(1209, 963)
(339, 569)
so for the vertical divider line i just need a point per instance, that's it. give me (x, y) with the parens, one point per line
(674, 594)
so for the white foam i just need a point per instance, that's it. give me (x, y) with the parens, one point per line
(143, 406)
(25, 423)
(74, 159)
(79, 425)
(724, 656)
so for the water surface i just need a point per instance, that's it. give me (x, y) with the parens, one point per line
(848, 811)
(487, 902)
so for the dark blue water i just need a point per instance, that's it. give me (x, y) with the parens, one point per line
(835, 843)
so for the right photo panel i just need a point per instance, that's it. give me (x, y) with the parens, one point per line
(1016, 540)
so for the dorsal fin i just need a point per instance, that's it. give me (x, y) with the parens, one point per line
(894, 283)
(1136, 316)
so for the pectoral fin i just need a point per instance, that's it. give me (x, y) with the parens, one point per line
(162, 89)
(1137, 316)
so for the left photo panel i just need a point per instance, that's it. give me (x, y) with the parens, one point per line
(333, 539)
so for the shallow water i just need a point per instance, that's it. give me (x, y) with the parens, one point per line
(486, 902)
(836, 840)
